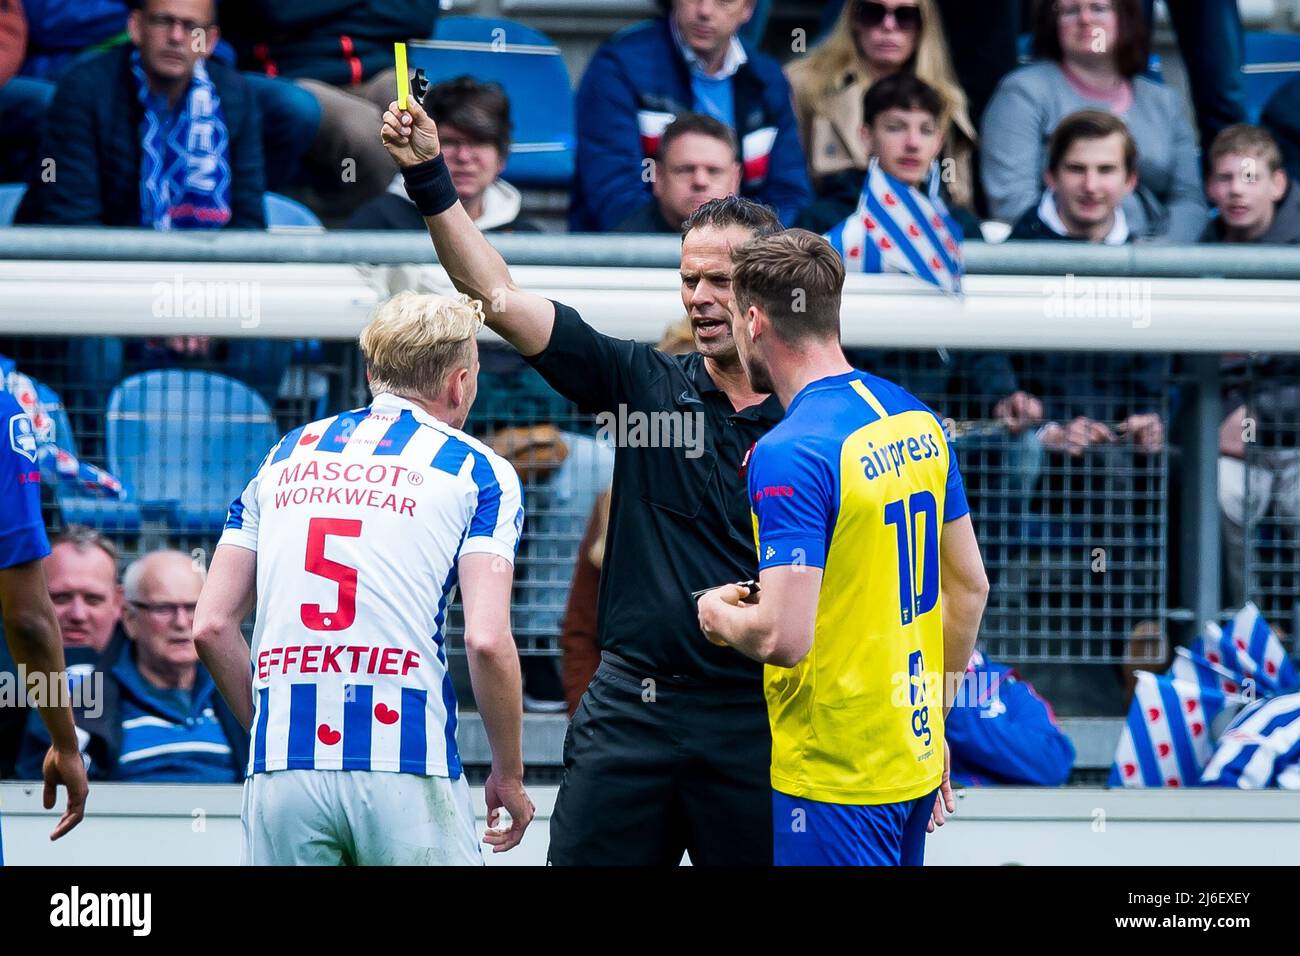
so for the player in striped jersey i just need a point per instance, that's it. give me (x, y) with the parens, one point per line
(354, 535)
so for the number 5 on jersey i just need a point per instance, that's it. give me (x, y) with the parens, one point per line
(916, 597)
(313, 617)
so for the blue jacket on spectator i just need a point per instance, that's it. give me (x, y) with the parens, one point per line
(144, 734)
(634, 86)
(96, 149)
(1001, 731)
(58, 30)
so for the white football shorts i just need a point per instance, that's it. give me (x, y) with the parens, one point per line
(357, 818)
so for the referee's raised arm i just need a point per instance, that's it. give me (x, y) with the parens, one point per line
(521, 318)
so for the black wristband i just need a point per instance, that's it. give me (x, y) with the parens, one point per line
(430, 187)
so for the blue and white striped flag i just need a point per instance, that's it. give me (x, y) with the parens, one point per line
(1192, 667)
(1248, 646)
(897, 228)
(1260, 748)
(1166, 737)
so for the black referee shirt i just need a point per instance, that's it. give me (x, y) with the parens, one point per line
(677, 523)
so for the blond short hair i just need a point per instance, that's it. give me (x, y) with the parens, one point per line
(413, 342)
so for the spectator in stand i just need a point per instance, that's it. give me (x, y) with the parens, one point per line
(902, 134)
(1091, 170)
(1257, 204)
(1093, 402)
(871, 41)
(697, 161)
(689, 60)
(170, 140)
(22, 100)
(81, 572)
(159, 718)
(474, 132)
(1211, 40)
(1091, 55)
(1251, 190)
(60, 31)
(342, 53)
(1281, 117)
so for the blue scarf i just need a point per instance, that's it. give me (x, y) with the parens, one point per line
(185, 156)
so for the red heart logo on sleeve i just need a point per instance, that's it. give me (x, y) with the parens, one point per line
(1271, 667)
(1230, 687)
(868, 222)
(935, 264)
(385, 714)
(1163, 749)
(890, 200)
(1129, 769)
(914, 232)
(328, 735)
(885, 243)
(1172, 782)
(1153, 713)
(1197, 729)
(855, 252)
(307, 439)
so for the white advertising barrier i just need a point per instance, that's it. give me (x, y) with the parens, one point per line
(184, 825)
(333, 301)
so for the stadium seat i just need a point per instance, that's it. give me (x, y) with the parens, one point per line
(1271, 60)
(529, 66)
(11, 195)
(283, 213)
(186, 443)
(109, 515)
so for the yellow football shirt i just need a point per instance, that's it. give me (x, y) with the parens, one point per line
(857, 480)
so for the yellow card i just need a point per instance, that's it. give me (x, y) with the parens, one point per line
(403, 79)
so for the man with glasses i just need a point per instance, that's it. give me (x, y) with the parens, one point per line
(689, 60)
(169, 139)
(152, 713)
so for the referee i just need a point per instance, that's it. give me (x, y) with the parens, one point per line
(872, 587)
(670, 747)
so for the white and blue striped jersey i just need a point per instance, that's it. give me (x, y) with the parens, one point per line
(1260, 748)
(358, 522)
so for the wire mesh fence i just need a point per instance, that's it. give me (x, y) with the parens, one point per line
(1070, 483)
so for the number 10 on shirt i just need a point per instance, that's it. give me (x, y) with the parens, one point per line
(916, 594)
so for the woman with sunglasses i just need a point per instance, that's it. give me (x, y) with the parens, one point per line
(1091, 55)
(873, 39)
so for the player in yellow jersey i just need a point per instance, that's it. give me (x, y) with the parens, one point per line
(871, 585)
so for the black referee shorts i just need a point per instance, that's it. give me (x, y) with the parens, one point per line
(648, 779)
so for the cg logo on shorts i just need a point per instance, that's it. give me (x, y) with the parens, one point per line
(916, 697)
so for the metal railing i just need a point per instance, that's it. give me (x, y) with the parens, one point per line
(1106, 558)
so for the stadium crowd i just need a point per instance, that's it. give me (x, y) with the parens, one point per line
(896, 144)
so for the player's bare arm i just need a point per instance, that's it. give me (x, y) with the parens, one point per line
(474, 266)
(485, 584)
(32, 631)
(964, 590)
(778, 629)
(227, 598)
